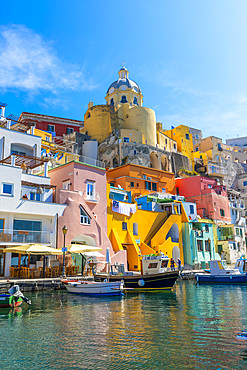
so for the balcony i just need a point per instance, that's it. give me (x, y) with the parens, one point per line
(24, 236)
(216, 170)
(95, 198)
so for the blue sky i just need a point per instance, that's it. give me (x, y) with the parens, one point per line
(189, 58)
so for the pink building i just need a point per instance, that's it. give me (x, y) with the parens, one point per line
(211, 198)
(83, 188)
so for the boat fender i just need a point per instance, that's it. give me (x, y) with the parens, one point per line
(141, 282)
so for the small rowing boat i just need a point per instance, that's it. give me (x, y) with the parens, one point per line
(14, 298)
(86, 287)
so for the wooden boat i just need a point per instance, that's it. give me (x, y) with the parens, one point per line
(13, 299)
(86, 287)
(154, 277)
(220, 274)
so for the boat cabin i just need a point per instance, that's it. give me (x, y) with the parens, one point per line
(153, 264)
(241, 265)
(221, 268)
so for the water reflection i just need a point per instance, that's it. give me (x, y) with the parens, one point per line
(190, 327)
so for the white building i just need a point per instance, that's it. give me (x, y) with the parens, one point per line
(27, 211)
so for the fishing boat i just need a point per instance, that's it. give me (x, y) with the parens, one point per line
(242, 335)
(154, 276)
(220, 273)
(87, 287)
(13, 298)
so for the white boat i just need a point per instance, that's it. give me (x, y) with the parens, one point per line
(242, 335)
(94, 288)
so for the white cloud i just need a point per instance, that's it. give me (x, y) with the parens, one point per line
(29, 63)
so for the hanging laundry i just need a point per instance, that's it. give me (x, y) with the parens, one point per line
(123, 208)
(133, 208)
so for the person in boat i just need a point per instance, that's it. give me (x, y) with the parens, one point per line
(172, 264)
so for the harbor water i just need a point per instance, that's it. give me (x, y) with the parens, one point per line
(191, 327)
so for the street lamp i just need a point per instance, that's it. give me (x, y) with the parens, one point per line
(64, 249)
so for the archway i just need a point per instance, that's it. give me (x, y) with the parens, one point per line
(154, 161)
(164, 163)
(173, 233)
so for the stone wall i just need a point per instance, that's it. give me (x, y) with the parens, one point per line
(115, 153)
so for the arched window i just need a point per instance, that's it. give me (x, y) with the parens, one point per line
(135, 228)
(135, 101)
(112, 101)
(124, 99)
(89, 115)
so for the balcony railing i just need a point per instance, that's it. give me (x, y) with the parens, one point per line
(24, 236)
(91, 198)
(91, 161)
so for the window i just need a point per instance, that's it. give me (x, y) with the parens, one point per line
(245, 183)
(153, 265)
(137, 185)
(191, 209)
(90, 190)
(196, 136)
(237, 231)
(124, 225)
(135, 101)
(154, 186)
(222, 212)
(209, 186)
(200, 245)
(174, 146)
(216, 157)
(47, 138)
(197, 149)
(126, 140)
(132, 184)
(66, 184)
(112, 184)
(70, 130)
(234, 246)
(148, 185)
(123, 100)
(32, 196)
(207, 245)
(8, 189)
(134, 151)
(187, 136)
(144, 176)
(241, 232)
(85, 219)
(112, 101)
(27, 231)
(51, 128)
(38, 197)
(206, 228)
(135, 228)
(166, 141)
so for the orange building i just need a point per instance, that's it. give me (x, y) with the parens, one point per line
(141, 180)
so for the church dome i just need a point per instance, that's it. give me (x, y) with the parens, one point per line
(123, 82)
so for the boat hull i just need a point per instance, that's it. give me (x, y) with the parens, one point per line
(225, 279)
(154, 282)
(8, 301)
(94, 288)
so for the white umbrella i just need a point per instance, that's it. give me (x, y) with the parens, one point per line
(93, 254)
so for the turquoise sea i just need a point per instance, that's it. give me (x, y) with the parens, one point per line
(192, 327)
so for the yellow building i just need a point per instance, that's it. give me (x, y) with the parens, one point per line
(181, 134)
(123, 114)
(144, 232)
